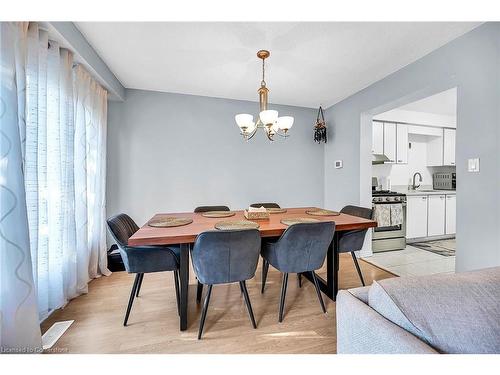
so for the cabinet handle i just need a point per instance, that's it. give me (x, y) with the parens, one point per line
(424, 198)
(400, 161)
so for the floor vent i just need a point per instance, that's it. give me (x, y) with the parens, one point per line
(54, 333)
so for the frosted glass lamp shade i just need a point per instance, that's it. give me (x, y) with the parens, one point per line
(251, 127)
(285, 122)
(244, 120)
(268, 117)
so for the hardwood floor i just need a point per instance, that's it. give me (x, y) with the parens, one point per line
(154, 323)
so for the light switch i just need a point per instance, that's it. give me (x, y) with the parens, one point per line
(338, 164)
(473, 165)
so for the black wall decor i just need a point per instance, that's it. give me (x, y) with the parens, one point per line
(320, 127)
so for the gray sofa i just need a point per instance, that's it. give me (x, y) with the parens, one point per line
(445, 313)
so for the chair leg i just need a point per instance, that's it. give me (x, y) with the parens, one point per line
(265, 269)
(139, 284)
(243, 287)
(131, 299)
(283, 295)
(199, 292)
(177, 296)
(318, 291)
(357, 267)
(204, 312)
(299, 276)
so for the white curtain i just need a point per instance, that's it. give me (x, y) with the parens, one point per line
(19, 329)
(90, 170)
(65, 170)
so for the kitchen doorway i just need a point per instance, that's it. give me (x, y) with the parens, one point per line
(414, 186)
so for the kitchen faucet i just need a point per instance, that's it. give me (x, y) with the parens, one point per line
(413, 186)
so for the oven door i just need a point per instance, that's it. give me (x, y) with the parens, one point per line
(392, 231)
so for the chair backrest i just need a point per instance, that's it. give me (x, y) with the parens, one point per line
(222, 256)
(122, 227)
(363, 212)
(266, 205)
(353, 240)
(211, 208)
(303, 247)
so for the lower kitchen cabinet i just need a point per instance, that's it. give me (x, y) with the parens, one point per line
(416, 216)
(451, 214)
(436, 215)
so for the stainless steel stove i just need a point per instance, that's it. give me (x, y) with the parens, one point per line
(389, 238)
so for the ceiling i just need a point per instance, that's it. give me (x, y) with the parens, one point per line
(444, 103)
(310, 64)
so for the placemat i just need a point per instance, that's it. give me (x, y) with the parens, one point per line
(322, 212)
(275, 210)
(235, 225)
(170, 221)
(218, 214)
(298, 220)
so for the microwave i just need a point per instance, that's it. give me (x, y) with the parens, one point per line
(444, 181)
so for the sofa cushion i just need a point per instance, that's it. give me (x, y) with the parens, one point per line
(453, 313)
(361, 293)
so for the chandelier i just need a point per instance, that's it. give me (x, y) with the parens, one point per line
(268, 119)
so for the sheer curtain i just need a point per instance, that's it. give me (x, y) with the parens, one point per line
(65, 165)
(19, 329)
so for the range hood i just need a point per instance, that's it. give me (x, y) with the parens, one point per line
(379, 159)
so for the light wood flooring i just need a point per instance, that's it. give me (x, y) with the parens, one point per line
(154, 324)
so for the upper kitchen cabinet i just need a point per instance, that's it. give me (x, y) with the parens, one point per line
(390, 141)
(402, 144)
(441, 149)
(377, 137)
(449, 147)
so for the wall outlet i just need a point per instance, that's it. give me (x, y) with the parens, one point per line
(338, 164)
(473, 165)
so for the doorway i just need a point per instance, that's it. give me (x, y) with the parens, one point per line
(413, 186)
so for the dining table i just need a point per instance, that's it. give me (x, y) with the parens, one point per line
(185, 236)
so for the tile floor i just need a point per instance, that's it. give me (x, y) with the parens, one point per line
(412, 262)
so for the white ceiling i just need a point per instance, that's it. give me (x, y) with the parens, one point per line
(444, 103)
(310, 63)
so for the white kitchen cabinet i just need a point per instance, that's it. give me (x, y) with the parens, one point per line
(435, 151)
(449, 147)
(451, 214)
(416, 216)
(436, 215)
(377, 137)
(390, 141)
(401, 144)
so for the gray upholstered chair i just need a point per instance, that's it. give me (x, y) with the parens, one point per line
(266, 205)
(301, 248)
(201, 209)
(352, 240)
(222, 257)
(142, 259)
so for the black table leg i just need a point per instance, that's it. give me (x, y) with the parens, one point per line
(336, 267)
(184, 278)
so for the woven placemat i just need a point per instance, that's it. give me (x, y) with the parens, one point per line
(275, 210)
(298, 220)
(322, 212)
(236, 225)
(218, 214)
(170, 221)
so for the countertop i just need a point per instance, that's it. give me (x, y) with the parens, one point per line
(424, 190)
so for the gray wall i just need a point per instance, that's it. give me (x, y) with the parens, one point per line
(471, 63)
(170, 153)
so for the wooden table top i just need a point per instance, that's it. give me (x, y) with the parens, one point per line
(268, 228)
